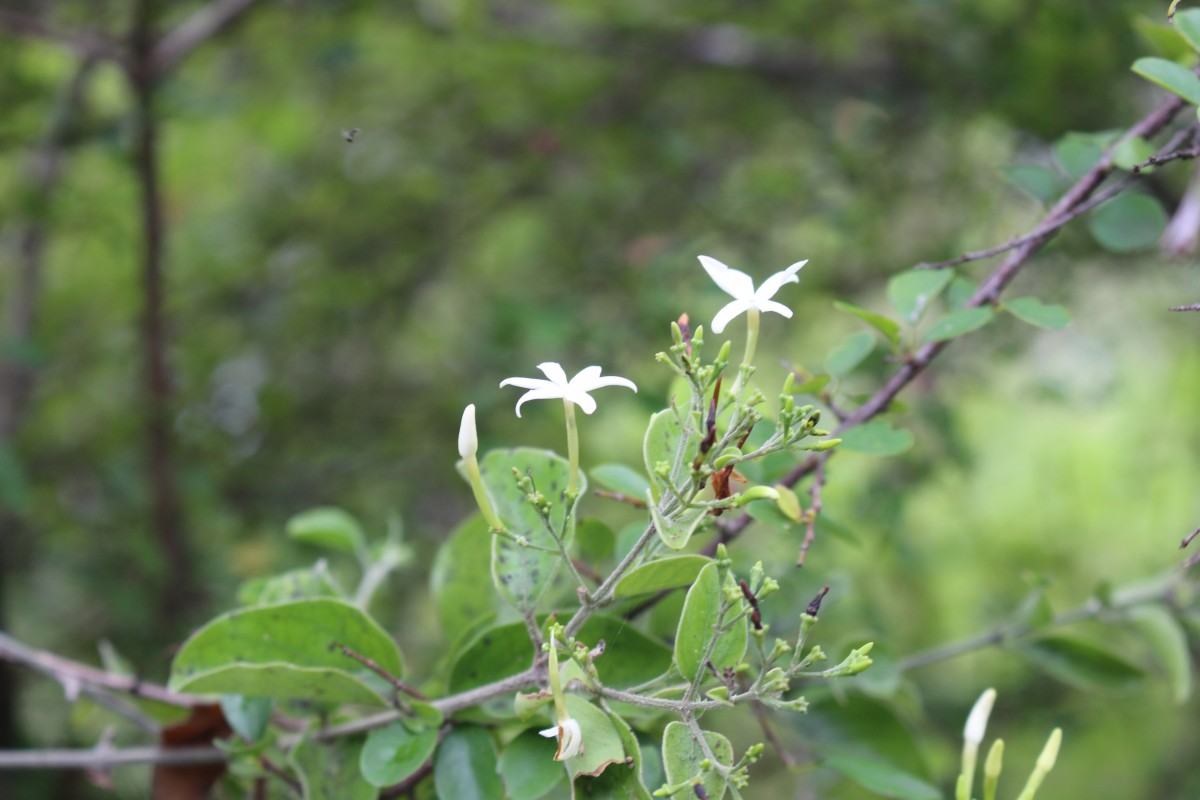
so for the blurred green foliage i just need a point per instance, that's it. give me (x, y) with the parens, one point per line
(532, 182)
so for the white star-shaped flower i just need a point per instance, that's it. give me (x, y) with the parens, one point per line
(741, 287)
(570, 738)
(574, 391)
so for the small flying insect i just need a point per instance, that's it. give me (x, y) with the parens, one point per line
(350, 134)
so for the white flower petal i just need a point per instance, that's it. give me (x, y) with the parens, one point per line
(581, 399)
(548, 393)
(771, 305)
(527, 383)
(554, 371)
(732, 281)
(726, 314)
(549, 732)
(570, 743)
(776, 282)
(595, 381)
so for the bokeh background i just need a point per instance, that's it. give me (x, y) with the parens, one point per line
(377, 211)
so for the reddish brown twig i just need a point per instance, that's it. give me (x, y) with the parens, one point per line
(372, 665)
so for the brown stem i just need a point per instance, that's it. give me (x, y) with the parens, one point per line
(372, 665)
(179, 589)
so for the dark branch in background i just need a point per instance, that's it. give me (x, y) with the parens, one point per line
(987, 294)
(88, 46)
(17, 374)
(179, 589)
(194, 31)
(1050, 225)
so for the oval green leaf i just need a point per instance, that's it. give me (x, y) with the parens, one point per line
(849, 354)
(1128, 223)
(288, 650)
(1187, 23)
(701, 612)
(327, 527)
(876, 438)
(682, 756)
(1035, 312)
(465, 766)
(665, 443)
(885, 325)
(248, 716)
(522, 573)
(394, 752)
(958, 323)
(666, 573)
(1171, 76)
(460, 579)
(622, 479)
(1168, 642)
(1040, 183)
(528, 768)
(1082, 663)
(911, 292)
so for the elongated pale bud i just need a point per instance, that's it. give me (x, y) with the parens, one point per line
(977, 720)
(468, 438)
(973, 733)
(1044, 764)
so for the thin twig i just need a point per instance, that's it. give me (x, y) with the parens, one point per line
(620, 498)
(814, 511)
(66, 671)
(97, 759)
(1051, 225)
(372, 665)
(1192, 307)
(280, 773)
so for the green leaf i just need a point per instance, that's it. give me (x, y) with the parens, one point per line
(603, 743)
(876, 438)
(1171, 76)
(465, 766)
(959, 292)
(885, 325)
(620, 781)
(1168, 642)
(1035, 312)
(958, 323)
(523, 573)
(813, 385)
(662, 444)
(594, 541)
(676, 531)
(701, 611)
(327, 527)
(394, 752)
(1077, 153)
(1163, 39)
(1040, 183)
(328, 770)
(849, 354)
(882, 778)
(1128, 223)
(682, 756)
(1131, 151)
(299, 584)
(460, 579)
(622, 479)
(528, 768)
(1082, 663)
(666, 573)
(287, 650)
(630, 656)
(911, 292)
(1187, 23)
(248, 716)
